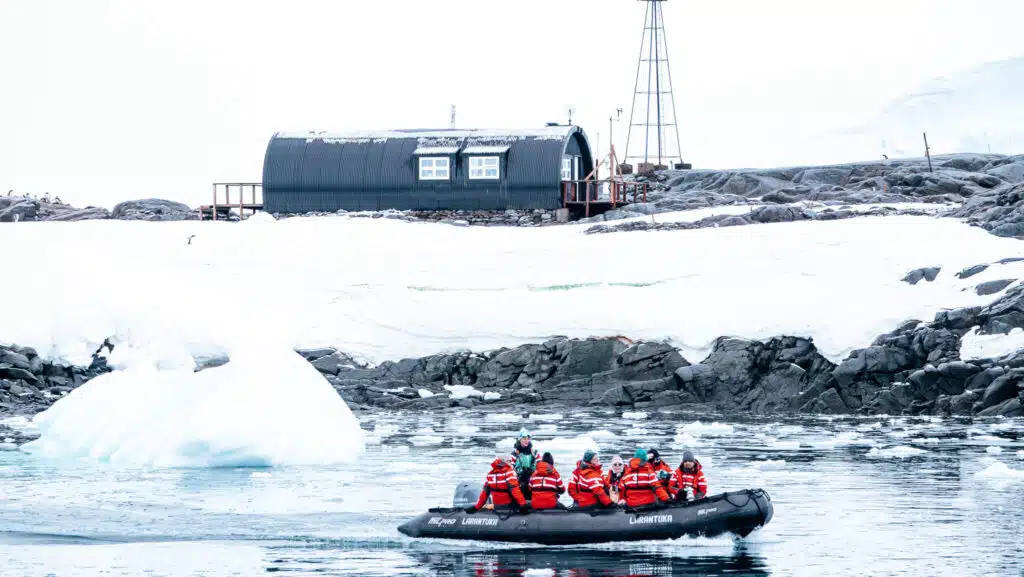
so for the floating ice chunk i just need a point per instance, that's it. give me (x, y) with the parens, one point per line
(683, 440)
(260, 475)
(467, 429)
(634, 415)
(927, 440)
(425, 394)
(1020, 454)
(897, 452)
(8, 447)
(504, 417)
(769, 465)
(1000, 474)
(637, 432)
(569, 449)
(19, 423)
(372, 440)
(505, 444)
(539, 573)
(699, 429)
(426, 440)
(385, 429)
(993, 450)
(549, 427)
(267, 406)
(789, 429)
(547, 417)
(425, 431)
(491, 396)
(463, 391)
(602, 434)
(785, 445)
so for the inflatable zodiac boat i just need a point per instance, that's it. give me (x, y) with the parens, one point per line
(738, 512)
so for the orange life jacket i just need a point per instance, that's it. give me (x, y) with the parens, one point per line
(502, 486)
(545, 485)
(640, 485)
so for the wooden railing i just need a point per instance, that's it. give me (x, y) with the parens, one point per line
(602, 192)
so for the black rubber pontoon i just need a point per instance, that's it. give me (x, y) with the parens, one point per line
(737, 512)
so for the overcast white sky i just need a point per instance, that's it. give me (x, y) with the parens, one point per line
(106, 100)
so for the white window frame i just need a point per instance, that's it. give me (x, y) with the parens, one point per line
(566, 168)
(435, 168)
(484, 167)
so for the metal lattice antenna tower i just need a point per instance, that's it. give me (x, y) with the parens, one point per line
(653, 130)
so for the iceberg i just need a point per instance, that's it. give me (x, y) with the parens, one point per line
(266, 407)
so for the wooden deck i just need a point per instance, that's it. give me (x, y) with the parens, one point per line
(597, 196)
(222, 210)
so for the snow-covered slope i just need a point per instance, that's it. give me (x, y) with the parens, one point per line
(977, 110)
(387, 289)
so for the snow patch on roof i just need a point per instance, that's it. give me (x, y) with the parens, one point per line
(470, 135)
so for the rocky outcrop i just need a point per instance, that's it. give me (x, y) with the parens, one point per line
(78, 214)
(757, 215)
(917, 275)
(30, 383)
(999, 211)
(18, 209)
(153, 209)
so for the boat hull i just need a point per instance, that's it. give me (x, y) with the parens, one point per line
(737, 512)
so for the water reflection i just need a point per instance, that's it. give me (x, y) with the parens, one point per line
(591, 563)
(514, 562)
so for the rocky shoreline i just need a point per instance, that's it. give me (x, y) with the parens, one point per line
(914, 370)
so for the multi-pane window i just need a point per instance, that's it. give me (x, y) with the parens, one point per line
(566, 168)
(484, 167)
(434, 168)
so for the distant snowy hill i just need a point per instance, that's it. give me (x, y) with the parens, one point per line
(978, 110)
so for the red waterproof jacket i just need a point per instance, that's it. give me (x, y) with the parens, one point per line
(640, 485)
(587, 486)
(545, 486)
(695, 479)
(502, 486)
(662, 466)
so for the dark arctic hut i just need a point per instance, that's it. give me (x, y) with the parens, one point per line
(446, 169)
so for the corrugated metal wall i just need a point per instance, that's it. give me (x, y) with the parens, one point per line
(309, 174)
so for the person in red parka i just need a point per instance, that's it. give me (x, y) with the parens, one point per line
(502, 486)
(587, 486)
(639, 485)
(662, 469)
(688, 482)
(545, 484)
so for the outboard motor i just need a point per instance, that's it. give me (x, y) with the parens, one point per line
(466, 494)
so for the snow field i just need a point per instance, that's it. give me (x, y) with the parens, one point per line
(417, 289)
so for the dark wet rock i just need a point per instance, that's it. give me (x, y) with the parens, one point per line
(917, 275)
(332, 363)
(1003, 388)
(993, 286)
(963, 403)
(1007, 408)
(153, 209)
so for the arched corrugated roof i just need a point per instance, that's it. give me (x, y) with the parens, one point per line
(305, 172)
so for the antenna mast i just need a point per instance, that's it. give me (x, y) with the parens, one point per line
(653, 135)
